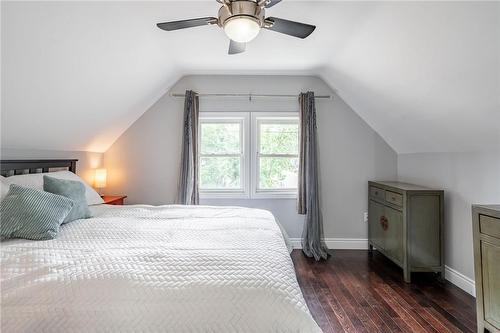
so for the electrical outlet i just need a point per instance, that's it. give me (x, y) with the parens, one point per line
(365, 217)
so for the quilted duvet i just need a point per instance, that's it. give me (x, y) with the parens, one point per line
(155, 269)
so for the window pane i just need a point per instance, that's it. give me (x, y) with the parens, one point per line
(220, 138)
(278, 172)
(279, 139)
(220, 173)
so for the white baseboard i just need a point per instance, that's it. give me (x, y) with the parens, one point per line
(458, 279)
(337, 243)
(461, 281)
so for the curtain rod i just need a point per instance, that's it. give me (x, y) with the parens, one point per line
(249, 96)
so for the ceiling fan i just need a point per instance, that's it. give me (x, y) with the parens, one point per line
(242, 21)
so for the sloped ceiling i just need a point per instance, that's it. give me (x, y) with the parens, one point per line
(426, 76)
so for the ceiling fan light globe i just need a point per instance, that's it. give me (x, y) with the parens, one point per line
(241, 29)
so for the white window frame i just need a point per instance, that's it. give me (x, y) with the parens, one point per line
(268, 117)
(229, 117)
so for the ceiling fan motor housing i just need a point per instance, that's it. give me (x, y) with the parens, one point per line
(241, 8)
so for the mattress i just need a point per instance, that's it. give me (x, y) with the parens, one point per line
(155, 269)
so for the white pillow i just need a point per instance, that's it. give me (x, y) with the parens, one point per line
(4, 188)
(35, 180)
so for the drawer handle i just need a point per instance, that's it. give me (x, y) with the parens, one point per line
(384, 222)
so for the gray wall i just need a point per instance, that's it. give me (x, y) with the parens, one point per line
(87, 161)
(467, 178)
(144, 162)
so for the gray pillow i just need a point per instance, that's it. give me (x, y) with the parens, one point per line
(73, 190)
(32, 214)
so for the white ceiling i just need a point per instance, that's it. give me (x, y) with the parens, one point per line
(425, 75)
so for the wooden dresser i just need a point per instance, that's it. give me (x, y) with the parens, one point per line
(116, 200)
(405, 223)
(486, 233)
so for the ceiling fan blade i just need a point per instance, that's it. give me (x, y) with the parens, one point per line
(236, 47)
(183, 24)
(292, 28)
(272, 3)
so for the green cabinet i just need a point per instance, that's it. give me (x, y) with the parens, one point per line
(486, 233)
(405, 223)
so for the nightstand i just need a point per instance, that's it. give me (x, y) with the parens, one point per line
(113, 199)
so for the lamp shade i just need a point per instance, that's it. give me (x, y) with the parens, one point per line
(241, 29)
(100, 178)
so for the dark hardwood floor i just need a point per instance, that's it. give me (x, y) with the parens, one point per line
(354, 291)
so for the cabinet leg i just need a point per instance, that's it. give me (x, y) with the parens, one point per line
(370, 247)
(407, 275)
(440, 277)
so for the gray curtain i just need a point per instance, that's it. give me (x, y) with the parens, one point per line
(187, 192)
(308, 200)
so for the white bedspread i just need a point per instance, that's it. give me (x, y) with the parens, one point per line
(155, 269)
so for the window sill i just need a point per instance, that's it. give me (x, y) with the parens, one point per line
(274, 195)
(246, 196)
(224, 195)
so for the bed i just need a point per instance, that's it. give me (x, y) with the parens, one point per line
(142, 268)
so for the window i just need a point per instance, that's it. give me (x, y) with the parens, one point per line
(222, 154)
(276, 152)
(238, 163)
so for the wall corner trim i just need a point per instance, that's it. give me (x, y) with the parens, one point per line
(461, 281)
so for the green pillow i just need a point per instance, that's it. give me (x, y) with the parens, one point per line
(32, 214)
(73, 190)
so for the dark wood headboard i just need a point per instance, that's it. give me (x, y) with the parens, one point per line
(19, 167)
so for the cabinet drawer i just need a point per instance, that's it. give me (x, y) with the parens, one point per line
(394, 198)
(489, 226)
(377, 192)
